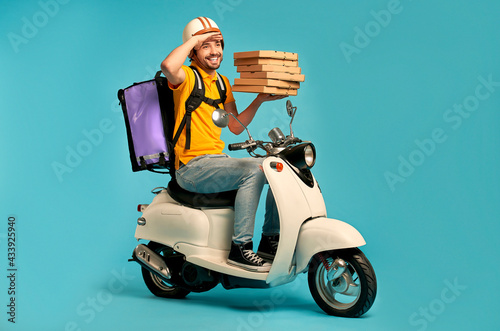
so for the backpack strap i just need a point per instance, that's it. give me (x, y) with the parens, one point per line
(194, 101)
(221, 86)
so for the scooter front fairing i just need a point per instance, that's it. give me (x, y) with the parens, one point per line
(304, 228)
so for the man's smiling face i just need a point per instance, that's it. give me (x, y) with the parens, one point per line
(209, 56)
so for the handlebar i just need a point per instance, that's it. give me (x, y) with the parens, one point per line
(236, 146)
(292, 140)
(251, 145)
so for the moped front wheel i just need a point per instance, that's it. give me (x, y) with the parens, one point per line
(349, 292)
(155, 284)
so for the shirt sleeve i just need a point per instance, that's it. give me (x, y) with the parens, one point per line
(186, 81)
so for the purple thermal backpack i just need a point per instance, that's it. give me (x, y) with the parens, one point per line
(148, 109)
(149, 119)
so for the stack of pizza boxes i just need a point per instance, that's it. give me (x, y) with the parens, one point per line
(267, 72)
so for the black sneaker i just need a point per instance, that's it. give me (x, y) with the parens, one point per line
(268, 247)
(244, 257)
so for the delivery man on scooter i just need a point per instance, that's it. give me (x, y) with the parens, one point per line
(201, 166)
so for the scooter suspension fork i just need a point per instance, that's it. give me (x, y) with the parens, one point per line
(334, 270)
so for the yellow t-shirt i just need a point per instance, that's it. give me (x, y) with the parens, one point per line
(205, 135)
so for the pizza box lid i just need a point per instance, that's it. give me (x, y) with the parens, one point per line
(264, 89)
(258, 60)
(273, 75)
(267, 54)
(266, 82)
(265, 67)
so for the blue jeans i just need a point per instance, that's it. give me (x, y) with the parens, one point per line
(218, 173)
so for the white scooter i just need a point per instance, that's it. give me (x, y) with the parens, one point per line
(190, 235)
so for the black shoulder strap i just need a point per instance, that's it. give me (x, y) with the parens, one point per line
(194, 100)
(192, 103)
(221, 86)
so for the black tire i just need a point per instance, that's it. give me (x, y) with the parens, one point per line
(155, 284)
(330, 295)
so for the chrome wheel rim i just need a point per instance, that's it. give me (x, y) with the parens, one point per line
(341, 293)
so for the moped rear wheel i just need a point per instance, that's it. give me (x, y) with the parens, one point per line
(349, 295)
(155, 284)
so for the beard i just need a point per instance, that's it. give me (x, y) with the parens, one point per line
(207, 62)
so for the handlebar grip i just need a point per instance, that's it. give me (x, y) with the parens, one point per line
(236, 146)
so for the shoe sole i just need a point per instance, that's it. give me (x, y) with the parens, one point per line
(248, 267)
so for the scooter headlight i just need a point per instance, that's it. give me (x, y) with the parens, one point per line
(309, 155)
(302, 156)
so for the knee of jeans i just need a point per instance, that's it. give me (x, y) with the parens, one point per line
(256, 172)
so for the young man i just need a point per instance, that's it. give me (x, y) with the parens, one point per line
(201, 166)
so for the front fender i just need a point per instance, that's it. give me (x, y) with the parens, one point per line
(324, 234)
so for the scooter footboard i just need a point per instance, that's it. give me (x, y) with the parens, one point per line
(323, 234)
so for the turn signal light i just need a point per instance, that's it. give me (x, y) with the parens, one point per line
(278, 166)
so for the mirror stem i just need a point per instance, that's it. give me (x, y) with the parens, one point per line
(249, 135)
(291, 131)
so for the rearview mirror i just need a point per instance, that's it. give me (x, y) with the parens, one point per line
(220, 118)
(290, 110)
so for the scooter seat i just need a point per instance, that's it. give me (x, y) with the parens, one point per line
(199, 200)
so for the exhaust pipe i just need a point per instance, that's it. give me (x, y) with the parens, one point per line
(151, 261)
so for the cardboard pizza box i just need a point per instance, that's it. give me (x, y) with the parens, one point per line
(265, 67)
(267, 82)
(273, 75)
(263, 89)
(258, 60)
(267, 54)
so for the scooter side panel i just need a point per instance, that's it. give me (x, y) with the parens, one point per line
(167, 222)
(221, 227)
(323, 234)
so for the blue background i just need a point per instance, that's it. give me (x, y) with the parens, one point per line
(370, 99)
